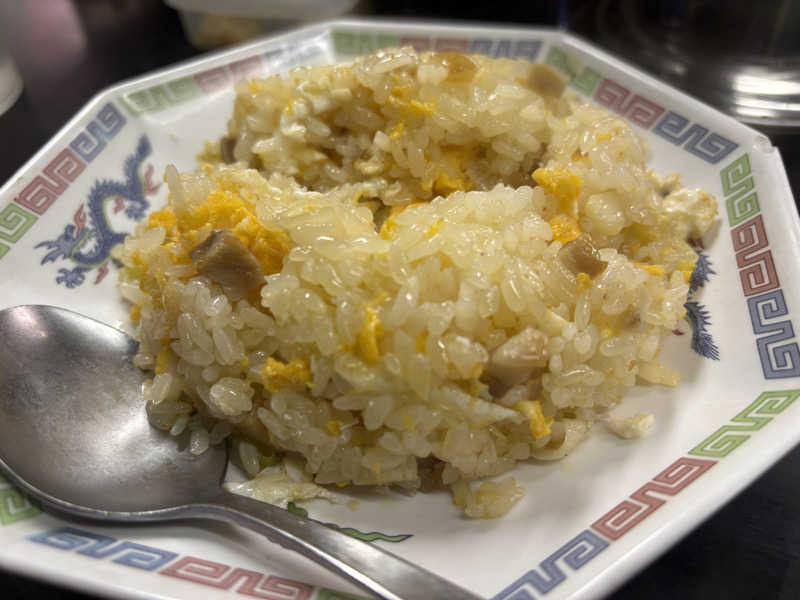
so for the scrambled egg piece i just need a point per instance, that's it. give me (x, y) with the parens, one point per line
(399, 98)
(689, 212)
(397, 131)
(136, 313)
(333, 426)
(276, 375)
(565, 228)
(408, 422)
(371, 332)
(453, 179)
(163, 218)
(561, 183)
(163, 359)
(445, 185)
(656, 270)
(434, 229)
(532, 410)
(584, 281)
(388, 229)
(686, 267)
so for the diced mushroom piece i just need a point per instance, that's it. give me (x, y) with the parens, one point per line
(253, 429)
(460, 68)
(515, 360)
(225, 259)
(546, 81)
(430, 473)
(226, 146)
(580, 256)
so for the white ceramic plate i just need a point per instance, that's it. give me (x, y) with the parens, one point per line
(587, 522)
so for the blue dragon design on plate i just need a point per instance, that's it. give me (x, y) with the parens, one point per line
(697, 315)
(88, 240)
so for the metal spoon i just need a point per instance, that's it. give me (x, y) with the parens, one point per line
(75, 436)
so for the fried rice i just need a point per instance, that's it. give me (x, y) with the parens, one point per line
(414, 269)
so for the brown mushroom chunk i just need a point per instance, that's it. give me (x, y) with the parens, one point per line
(224, 259)
(515, 359)
(460, 68)
(580, 256)
(226, 146)
(546, 81)
(253, 429)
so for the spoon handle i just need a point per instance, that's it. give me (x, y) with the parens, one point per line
(373, 568)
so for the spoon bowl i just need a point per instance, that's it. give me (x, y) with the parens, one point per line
(71, 401)
(74, 434)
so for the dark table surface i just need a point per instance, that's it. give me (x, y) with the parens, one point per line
(68, 50)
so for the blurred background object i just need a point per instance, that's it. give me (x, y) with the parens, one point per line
(212, 24)
(10, 81)
(742, 57)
